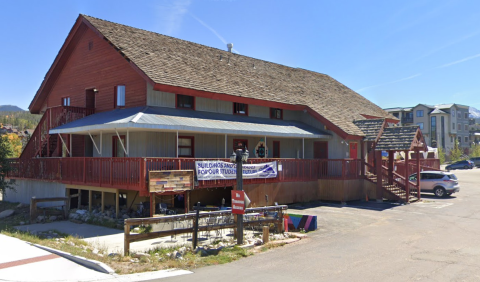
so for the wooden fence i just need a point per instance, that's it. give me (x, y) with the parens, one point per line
(216, 220)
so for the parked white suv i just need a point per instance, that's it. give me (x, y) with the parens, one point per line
(440, 183)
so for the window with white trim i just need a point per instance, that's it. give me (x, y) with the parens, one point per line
(66, 101)
(119, 96)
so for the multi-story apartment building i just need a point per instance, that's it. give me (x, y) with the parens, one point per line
(405, 115)
(441, 124)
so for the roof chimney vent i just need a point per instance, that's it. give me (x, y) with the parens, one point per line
(230, 46)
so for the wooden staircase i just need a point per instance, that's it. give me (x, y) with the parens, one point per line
(395, 188)
(41, 143)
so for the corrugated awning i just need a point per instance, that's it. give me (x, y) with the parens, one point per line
(182, 120)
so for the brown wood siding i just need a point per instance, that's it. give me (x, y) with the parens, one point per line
(102, 68)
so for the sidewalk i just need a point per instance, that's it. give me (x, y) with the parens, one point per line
(21, 261)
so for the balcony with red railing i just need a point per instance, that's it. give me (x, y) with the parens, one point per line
(132, 173)
(40, 143)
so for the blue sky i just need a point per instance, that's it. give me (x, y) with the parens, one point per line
(395, 53)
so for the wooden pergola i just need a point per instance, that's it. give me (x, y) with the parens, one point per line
(398, 139)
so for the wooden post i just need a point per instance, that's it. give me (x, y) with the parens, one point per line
(152, 204)
(266, 234)
(185, 202)
(126, 239)
(362, 157)
(418, 175)
(391, 161)
(378, 170)
(79, 200)
(407, 187)
(65, 208)
(90, 200)
(103, 201)
(33, 209)
(67, 194)
(117, 205)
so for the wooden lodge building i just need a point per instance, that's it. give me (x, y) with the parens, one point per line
(119, 102)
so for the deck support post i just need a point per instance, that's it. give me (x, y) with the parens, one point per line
(407, 182)
(391, 161)
(362, 158)
(79, 198)
(89, 200)
(418, 174)
(103, 201)
(378, 168)
(117, 206)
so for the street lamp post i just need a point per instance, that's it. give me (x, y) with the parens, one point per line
(239, 157)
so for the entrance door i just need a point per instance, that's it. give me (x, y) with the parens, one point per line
(354, 151)
(89, 99)
(320, 151)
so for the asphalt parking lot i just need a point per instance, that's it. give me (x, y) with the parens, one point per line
(437, 239)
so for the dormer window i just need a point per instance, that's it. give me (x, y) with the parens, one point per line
(185, 102)
(276, 113)
(119, 96)
(66, 101)
(240, 109)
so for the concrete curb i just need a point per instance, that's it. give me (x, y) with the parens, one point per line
(92, 264)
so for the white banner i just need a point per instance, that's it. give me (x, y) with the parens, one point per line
(211, 170)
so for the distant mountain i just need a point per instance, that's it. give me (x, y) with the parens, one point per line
(474, 113)
(10, 108)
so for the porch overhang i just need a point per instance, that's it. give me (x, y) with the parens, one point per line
(187, 121)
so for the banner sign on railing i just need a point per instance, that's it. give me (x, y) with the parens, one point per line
(211, 170)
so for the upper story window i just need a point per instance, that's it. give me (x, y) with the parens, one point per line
(459, 139)
(186, 146)
(420, 124)
(466, 127)
(185, 102)
(459, 127)
(459, 114)
(420, 113)
(120, 96)
(395, 115)
(453, 125)
(276, 113)
(240, 109)
(466, 115)
(466, 139)
(66, 101)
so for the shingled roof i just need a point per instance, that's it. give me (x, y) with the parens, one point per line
(371, 127)
(400, 138)
(175, 62)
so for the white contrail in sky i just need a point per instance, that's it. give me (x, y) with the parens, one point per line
(459, 61)
(213, 31)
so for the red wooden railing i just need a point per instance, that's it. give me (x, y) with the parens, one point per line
(132, 173)
(53, 117)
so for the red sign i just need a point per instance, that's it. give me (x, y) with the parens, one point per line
(238, 202)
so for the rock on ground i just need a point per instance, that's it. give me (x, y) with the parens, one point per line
(6, 213)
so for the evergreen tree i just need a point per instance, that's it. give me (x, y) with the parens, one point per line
(4, 165)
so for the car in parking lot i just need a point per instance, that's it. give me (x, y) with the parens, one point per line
(466, 164)
(440, 183)
(476, 161)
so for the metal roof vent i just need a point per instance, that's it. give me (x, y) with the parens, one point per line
(230, 46)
